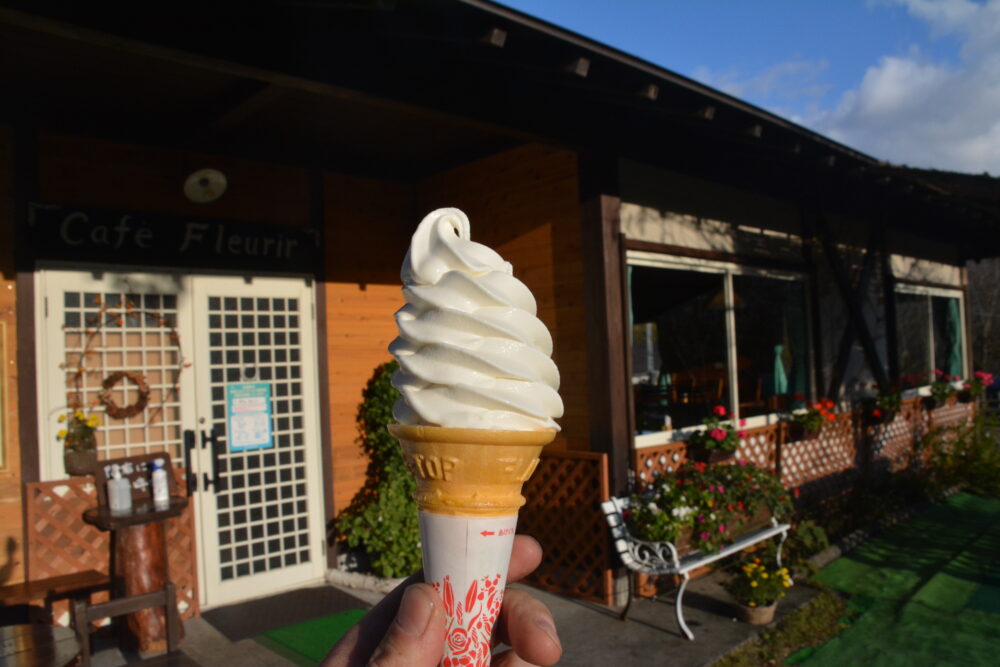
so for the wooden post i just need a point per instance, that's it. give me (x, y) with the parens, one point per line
(141, 567)
(608, 385)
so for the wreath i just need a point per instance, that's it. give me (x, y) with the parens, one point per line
(118, 411)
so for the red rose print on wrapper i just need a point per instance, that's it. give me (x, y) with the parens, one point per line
(470, 621)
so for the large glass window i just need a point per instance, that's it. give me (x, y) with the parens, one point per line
(772, 358)
(702, 338)
(930, 336)
(678, 346)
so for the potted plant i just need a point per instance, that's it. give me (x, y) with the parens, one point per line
(80, 440)
(975, 387)
(717, 441)
(941, 390)
(806, 423)
(702, 507)
(757, 590)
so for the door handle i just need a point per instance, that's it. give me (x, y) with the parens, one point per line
(190, 476)
(211, 439)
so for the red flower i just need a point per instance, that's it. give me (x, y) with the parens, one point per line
(798, 397)
(742, 434)
(876, 413)
(796, 492)
(699, 466)
(719, 411)
(830, 417)
(717, 434)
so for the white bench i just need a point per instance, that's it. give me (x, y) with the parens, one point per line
(655, 558)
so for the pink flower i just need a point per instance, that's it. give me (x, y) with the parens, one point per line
(711, 487)
(938, 371)
(717, 434)
(742, 434)
(721, 488)
(705, 536)
(966, 386)
(719, 411)
(742, 462)
(722, 528)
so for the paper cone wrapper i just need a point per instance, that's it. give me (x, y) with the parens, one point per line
(469, 492)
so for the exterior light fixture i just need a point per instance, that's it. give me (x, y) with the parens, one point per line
(205, 186)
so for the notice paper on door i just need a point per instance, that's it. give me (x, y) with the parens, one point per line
(248, 414)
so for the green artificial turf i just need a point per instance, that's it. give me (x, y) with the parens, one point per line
(307, 643)
(927, 591)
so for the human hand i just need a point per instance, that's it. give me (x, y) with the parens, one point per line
(406, 629)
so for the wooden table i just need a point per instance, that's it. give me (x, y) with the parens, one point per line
(139, 563)
(38, 645)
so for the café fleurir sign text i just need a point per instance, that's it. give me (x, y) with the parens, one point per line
(123, 237)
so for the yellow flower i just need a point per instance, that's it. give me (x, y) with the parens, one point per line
(79, 415)
(763, 575)
(62, 434)
(752, 604)
(753, 584)
(62, 418)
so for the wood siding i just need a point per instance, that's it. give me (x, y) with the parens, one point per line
(368, 228)
(524, 204)
(11, 525)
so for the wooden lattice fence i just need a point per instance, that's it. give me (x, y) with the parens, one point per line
(59, 542)
(563, 513)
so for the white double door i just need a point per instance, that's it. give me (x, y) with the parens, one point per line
(259, 509)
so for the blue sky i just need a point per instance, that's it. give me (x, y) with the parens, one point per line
(913, 82)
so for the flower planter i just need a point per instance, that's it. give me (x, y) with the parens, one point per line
(756, 615)
(929, 402)
(965, 396)
(80, 463)
(798, 433)
(885, 417)
(703, 455)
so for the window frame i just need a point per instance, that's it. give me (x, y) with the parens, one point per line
(727, 270)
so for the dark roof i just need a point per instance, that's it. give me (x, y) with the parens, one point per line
(405, 89)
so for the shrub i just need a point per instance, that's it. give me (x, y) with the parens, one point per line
(965, 456)
(382, 517)
(718, 432)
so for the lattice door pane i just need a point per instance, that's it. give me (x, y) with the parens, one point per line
(106, 332)
(261, 495)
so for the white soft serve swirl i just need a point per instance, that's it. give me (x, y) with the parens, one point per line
(472, 353)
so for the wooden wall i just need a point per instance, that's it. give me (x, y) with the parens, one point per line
(525, 204)
(368, 228)
(11, 528)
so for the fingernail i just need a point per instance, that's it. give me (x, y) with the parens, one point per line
(415, 610)
(546, 626)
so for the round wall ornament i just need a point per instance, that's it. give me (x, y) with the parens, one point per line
(112, 409)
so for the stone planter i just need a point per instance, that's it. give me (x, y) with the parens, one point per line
(756, 615)
(80, 462)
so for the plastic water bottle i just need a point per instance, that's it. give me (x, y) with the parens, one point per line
(119, 493)
(161, 494)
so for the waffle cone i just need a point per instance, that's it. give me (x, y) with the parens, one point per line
(469, 471)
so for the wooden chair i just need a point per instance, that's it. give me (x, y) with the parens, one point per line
(85, 613)
(78, 585)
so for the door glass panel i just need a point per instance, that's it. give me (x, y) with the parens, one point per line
(678, 345)
(261, 495)
(771, 343)
(106, 332)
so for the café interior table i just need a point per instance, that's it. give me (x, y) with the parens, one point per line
(38, 645)
(139, 563)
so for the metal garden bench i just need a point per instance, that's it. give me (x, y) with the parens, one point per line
(655, 558)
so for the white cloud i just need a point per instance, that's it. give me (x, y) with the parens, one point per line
(910, 110)
(792, 82)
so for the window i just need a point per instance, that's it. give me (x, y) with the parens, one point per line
(931, 337)
(707, 334)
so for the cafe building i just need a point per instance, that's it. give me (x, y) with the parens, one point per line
(203, 216)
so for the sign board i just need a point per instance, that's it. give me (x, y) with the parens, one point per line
(138, 471)
(248, 416)
(103, 235)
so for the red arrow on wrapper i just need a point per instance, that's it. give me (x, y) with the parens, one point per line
(487, 532)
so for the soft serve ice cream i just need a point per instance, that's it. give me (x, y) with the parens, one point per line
(472, 353)
(478, 403)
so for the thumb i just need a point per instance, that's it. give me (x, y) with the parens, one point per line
(415, 638)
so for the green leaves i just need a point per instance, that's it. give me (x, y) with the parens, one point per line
(382, 517)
